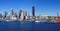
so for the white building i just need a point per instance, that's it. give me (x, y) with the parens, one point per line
(44, 17)
(13, 18)
(23, 15)
(37, 18)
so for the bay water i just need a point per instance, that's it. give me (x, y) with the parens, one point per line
(28, 26)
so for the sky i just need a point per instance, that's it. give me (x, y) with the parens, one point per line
(48, 7)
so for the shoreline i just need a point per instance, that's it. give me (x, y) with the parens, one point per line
(25, 21)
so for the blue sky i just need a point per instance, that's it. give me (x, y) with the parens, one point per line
(48, 7)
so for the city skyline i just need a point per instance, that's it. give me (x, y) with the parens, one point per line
(48, 7)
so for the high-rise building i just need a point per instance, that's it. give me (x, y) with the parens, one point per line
(0, 15)
(33, 11)
(12, 12)
(15, 15)
(5, 14)
(23, 14)
(20, 13)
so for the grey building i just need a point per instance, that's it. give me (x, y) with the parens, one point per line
(0, 15)
(20, 13)
(12, 12)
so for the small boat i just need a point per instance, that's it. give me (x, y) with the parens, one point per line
(7, 20)
(37, 21)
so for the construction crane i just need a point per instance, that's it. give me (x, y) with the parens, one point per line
(58, 18)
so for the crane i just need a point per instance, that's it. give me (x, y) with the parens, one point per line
(58, 18)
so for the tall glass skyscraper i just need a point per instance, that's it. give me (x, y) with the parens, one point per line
(12, 12)
(20, 13)
(33, 11)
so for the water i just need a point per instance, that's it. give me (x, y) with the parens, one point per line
(29, 26)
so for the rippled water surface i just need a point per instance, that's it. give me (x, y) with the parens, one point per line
(29, 26)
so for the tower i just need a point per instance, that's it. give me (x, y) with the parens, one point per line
(20, 13)
(33, 11)
(5, 14)
(12, 12)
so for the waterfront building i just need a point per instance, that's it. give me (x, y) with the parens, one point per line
(15, 14)
(37, 18)
(7, 18)
(0, 15)
(12, 12)
(33, 11)
(20, 13)
(5, 14)
(23, 15)
(44, 18)
(27, 17)
(32, 18)
(53, 19)
(13, 17)
(49, 18)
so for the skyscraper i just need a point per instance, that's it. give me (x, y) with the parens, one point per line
(33, 11)
(20, 13)
(12, 11)
(5, 14)
(23, 14)
(0, 15)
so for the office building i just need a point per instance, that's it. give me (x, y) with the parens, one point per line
(0, 15)
(14, 17)
(23, 15)
(33, 11)
(5, 14)
(20, 13)
(12, 12)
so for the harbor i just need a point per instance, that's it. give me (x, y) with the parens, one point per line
(29, 15)
(23, 21)
(23, 15)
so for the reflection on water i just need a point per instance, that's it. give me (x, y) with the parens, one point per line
(29, 26)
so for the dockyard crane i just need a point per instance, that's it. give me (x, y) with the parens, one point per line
(58, 18)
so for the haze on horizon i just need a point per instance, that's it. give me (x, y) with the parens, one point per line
(48, 7)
